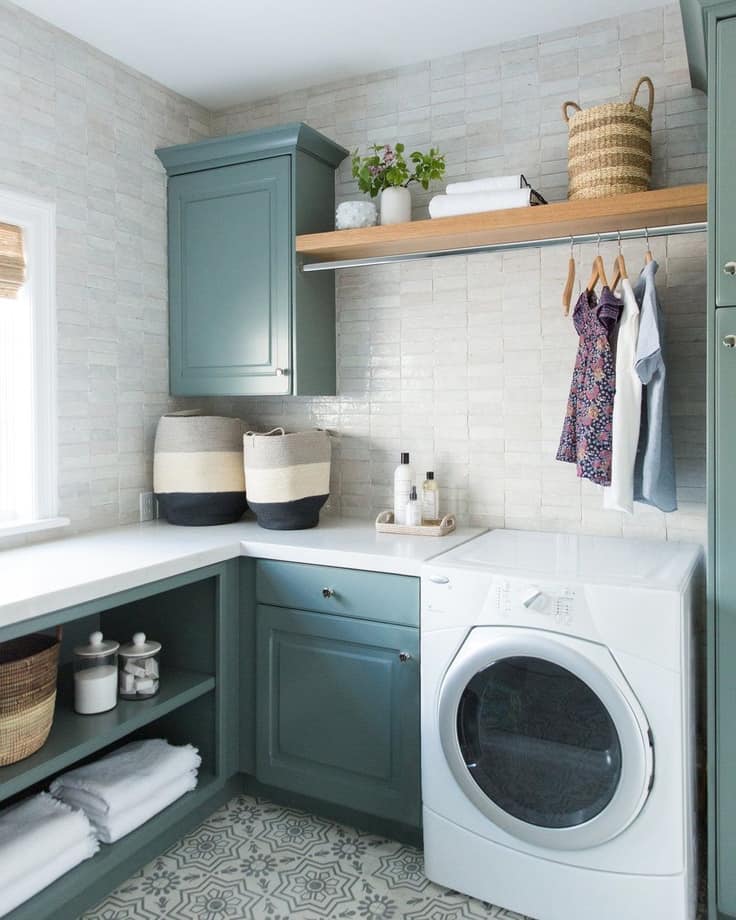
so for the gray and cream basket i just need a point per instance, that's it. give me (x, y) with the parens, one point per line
(198, 469)
(288, 477)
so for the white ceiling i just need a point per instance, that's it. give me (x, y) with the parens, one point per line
(223, 52)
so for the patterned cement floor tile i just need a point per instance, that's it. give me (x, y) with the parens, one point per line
(253, 860)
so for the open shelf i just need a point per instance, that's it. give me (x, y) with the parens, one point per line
(74, 737)
(116, 855)
(669, 207)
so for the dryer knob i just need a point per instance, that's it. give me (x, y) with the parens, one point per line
(528, 597)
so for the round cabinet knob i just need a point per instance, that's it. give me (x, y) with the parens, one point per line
(404, 656)
(328, 592)
(729, 268)
(281, 371)
(729, 341)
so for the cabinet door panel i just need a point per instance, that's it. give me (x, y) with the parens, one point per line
(338, 711)
(230, 256)
(725, 609)
(725, 114)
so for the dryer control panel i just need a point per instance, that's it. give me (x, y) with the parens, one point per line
(511, 598)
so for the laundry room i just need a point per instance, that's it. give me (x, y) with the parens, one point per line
(434, 304)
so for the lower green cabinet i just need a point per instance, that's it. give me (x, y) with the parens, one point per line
(338, 710)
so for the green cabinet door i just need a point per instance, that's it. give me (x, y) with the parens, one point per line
(230, 279)
(724, 510)
(338, 710)
(725, 146)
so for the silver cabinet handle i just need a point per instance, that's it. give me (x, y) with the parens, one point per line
(404, 656)
(729, 268)
(729, 341)
(281, 372)
(328, 592)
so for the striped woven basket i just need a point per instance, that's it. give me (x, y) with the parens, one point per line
(610, 147)
(28, 673)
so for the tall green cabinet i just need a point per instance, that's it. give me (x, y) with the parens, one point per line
(710, 31)
(243, 320)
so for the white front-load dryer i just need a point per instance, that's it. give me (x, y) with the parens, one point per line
(557, 725)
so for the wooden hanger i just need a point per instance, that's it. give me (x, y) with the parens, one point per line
(620, 266)
(599, 272)
(567, 292)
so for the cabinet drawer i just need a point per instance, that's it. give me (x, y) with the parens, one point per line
(345, 592)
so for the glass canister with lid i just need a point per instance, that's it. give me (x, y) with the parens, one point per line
(96, 675)
(139, 668)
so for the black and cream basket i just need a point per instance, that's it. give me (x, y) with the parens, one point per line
(198, 469)
(288, 477)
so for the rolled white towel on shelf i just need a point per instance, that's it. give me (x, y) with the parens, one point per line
(127, 777)
(454, 205)
(33, 834)
(112, 827)
(489, 184)
(43, 874)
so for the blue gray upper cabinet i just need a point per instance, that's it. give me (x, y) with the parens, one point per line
(243, 320)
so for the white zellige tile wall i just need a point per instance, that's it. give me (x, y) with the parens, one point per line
(466, 361)
(79, 129)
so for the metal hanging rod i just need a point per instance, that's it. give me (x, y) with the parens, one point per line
(608, 236)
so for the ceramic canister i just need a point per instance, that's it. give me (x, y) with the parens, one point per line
(198, 473)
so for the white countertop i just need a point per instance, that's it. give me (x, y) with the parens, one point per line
(50, 576)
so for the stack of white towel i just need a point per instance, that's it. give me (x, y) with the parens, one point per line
(495, 193)
(40, 840)
(120, 792)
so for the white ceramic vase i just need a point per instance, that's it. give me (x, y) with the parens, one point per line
(395, 205)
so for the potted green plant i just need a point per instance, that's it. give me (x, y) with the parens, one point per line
(386, 170)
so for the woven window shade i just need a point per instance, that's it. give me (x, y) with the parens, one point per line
(12, 261)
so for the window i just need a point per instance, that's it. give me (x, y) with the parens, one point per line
(28, 452)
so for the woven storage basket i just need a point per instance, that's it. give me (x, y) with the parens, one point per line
(288, 477)
(610, 147)
(28, 672)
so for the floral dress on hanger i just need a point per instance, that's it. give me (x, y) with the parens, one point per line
(587, 430)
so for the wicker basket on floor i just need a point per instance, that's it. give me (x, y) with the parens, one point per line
(610, 147)
(28, 674)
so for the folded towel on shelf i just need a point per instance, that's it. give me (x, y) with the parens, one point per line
(489, 184)
(112, 827)
(453, 205)
(42, 874)
(34, 833)
(126, 777)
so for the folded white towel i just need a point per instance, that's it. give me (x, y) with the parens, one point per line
(452, 205)
(489, 184)
(112, 827)
(44, 873)
(33, 833)
(124, 778)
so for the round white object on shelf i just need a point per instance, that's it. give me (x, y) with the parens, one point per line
(350, 215)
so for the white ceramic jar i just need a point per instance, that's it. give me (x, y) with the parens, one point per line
(96, 675)
(395, 205)
(139, 668)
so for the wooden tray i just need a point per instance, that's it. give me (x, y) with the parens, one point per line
(385, 524)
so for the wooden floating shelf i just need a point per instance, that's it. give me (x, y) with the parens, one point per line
(668, 207)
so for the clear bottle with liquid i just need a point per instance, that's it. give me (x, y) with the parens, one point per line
(430, 500)
(413, 509)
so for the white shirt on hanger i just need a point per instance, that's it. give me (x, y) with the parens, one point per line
(619, 496)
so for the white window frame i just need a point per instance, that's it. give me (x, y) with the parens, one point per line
(37, 218)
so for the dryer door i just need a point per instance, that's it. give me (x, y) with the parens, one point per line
(545, 736)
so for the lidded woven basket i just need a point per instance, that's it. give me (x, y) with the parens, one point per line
(28, 672)
(610, 146)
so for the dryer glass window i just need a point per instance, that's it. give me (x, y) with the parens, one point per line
(539, 742)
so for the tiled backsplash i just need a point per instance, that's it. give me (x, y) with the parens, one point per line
(463, 361)
(466, 361)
